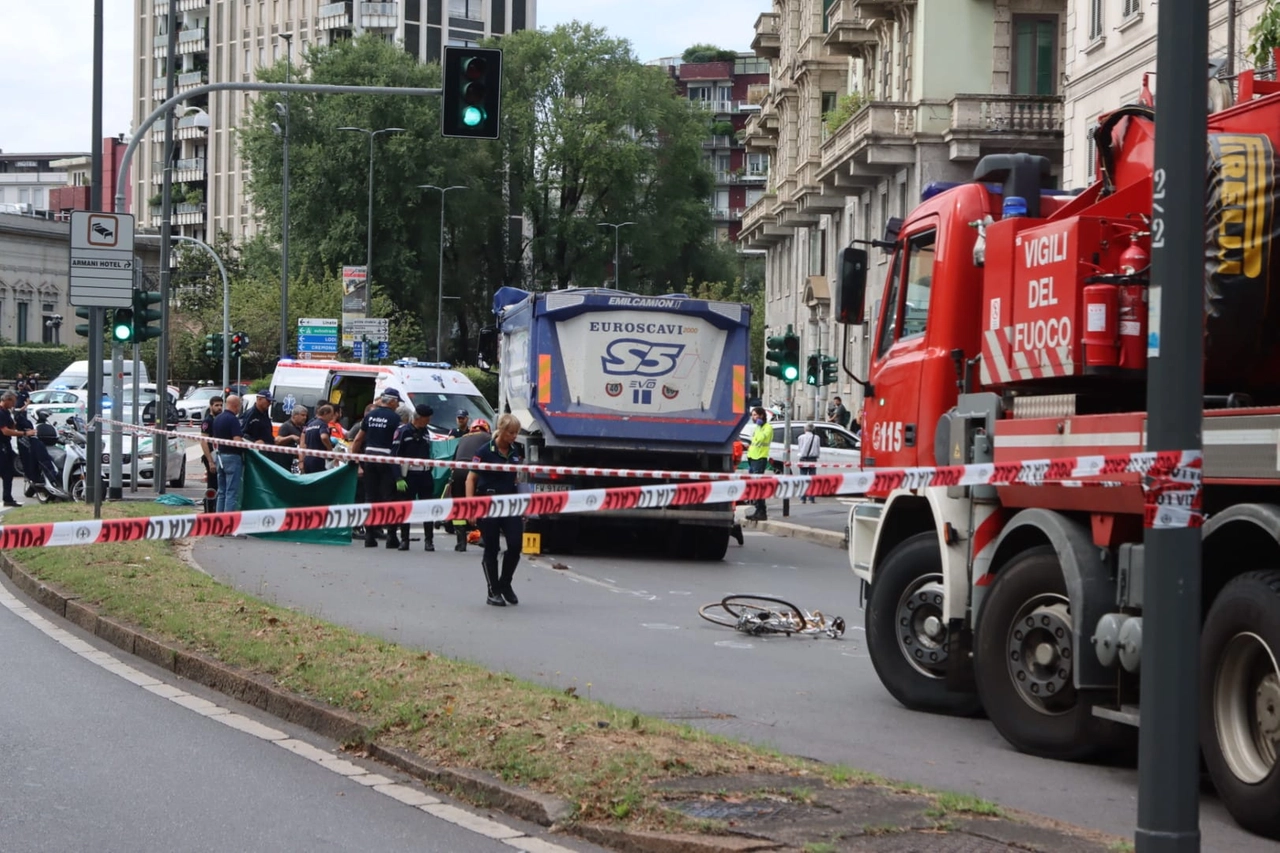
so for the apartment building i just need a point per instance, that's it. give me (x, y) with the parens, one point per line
(229, 40)
(27, 179)
(1115, 44)
(729, 92)
(872, 103)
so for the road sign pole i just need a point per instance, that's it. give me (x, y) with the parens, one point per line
(114, 492)
(133, 457)
(93, 471)
(1168, 749)
(786, 446)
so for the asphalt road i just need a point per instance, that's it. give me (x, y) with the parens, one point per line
(92, 761)
(625, 630)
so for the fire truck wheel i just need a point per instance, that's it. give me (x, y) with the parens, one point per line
(1240, 699)
(1023, 655)
(906, 635)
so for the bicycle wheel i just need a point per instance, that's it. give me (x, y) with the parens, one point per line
(716, 613)
(792, 618)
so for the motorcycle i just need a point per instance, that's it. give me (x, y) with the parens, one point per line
(57, 460)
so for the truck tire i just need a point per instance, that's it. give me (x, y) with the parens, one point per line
(906, 637)
(710, 544)
(1240, 699)
(1023, 659)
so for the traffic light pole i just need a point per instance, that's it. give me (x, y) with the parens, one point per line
(786, 444)
(93, 474)
(114, 492)
(133, 457)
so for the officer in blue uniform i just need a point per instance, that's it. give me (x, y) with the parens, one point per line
(505, 450)
(377, 436)
(413, 441)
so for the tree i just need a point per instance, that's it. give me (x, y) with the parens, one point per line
(707, 53)
(596, 136)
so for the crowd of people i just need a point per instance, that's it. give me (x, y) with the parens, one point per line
(390, 428)
(15, 424)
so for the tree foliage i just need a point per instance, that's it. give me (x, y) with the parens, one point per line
(707, 53)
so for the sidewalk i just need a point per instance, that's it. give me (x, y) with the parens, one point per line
(823, 523)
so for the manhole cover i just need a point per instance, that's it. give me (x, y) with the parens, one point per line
(751, 810)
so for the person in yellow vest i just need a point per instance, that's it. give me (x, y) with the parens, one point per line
(758, 454)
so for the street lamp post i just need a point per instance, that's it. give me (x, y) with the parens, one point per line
(283, 110)
(616, 227)
(368, 255)
(440, 280)
(55, 323)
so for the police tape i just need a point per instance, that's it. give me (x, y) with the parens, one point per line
(1170, 473)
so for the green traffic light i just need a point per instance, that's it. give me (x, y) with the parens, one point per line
(472, 116)
(120, 332)
(790, 373)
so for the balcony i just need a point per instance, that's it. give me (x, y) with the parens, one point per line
(193, 41)
(757, 137)
(983, 124)
(878, 8)
(191, 127)
(191, 79)
(767, 42)
(158, 86)
(876, 140)
(334, 16)
(812, 196)
(160, 8)
(160, 47)
(379, 16)
(192, 5)
(719, 142)
(726, 214)
(759, 226)
(848, 31)
(186, 171)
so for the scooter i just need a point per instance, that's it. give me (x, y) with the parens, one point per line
(58, 457)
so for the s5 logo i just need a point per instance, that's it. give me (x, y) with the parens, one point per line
(634, 357)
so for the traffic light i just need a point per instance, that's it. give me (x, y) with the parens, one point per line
(82, 329)
(146, 320)
(239, 343)
(122, 326)
(213, 345)
(829, 367)
(470, 102)
(811, 371)
(784, 350)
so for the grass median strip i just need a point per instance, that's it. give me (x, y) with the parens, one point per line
(602, 759)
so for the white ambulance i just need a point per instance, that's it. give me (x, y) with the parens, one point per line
(354, 386)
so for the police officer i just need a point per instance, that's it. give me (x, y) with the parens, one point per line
(413, 441)
(207, 451)
(257, 423)
(477, 438)
(377, 436)
(316, 436)
(464, 424)
(503, 449)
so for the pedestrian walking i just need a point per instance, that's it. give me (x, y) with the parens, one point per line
(809, 448)
(317, 436)
(758, 455)
(230, 457)
(377, 435)
(8, 431)
(503, 449)
(468, 446)
(413, 441)
(290, 435)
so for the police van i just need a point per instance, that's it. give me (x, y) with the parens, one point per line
(355, 386)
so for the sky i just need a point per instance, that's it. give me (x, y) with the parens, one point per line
(45, 103)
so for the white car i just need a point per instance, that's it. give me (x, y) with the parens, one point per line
(839, 446)
(175, 464)
(60, 403)
(147, 398)
(196, 403)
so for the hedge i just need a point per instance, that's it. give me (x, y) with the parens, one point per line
(48, 360)
(486, 383)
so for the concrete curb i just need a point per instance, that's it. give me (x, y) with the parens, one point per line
(261, 693)
(830, 538)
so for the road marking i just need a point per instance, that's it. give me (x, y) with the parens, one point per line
(659, 626)
(734, 644)
(603, 583)
(410, 795)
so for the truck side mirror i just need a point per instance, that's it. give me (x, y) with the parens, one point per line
(892, 228)
(851, 289)
(487, 345)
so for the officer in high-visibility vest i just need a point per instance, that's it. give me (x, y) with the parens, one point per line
(758, 454)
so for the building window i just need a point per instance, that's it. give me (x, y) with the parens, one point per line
(1035, 47)
(817, 252)
(757, 165)
(23, 308)
(1095, 20)
(1132, 7)
(829, 100)
(753, 196)
(700, 93)
(24, 196)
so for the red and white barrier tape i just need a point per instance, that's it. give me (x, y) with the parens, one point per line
(1174, 473)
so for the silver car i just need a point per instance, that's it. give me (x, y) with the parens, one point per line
(175, 464)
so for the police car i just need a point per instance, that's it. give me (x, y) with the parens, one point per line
(60, 402)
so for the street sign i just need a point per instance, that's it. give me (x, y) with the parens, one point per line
(317, 336)
(357, 349)
(327, 322)
(384, 349)
(373, 328)
(101, 259)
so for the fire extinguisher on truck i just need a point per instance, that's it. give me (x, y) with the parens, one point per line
(1013, 327)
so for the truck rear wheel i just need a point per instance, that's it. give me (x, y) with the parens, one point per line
(706, 544)
(1024, 652)
(1240, 699)
(906, 634)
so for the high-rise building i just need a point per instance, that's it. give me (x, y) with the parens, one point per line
(729, 91)
(229, 40)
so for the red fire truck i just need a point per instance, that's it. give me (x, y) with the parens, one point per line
(1014, 327)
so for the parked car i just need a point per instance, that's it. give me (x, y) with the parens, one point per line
(175, 463)
(838, 445)
(60, 403)
(196, 403)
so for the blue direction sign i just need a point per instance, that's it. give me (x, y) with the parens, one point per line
(384, 349)
(357, 349)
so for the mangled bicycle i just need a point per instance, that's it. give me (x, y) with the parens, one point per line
(761, 615)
